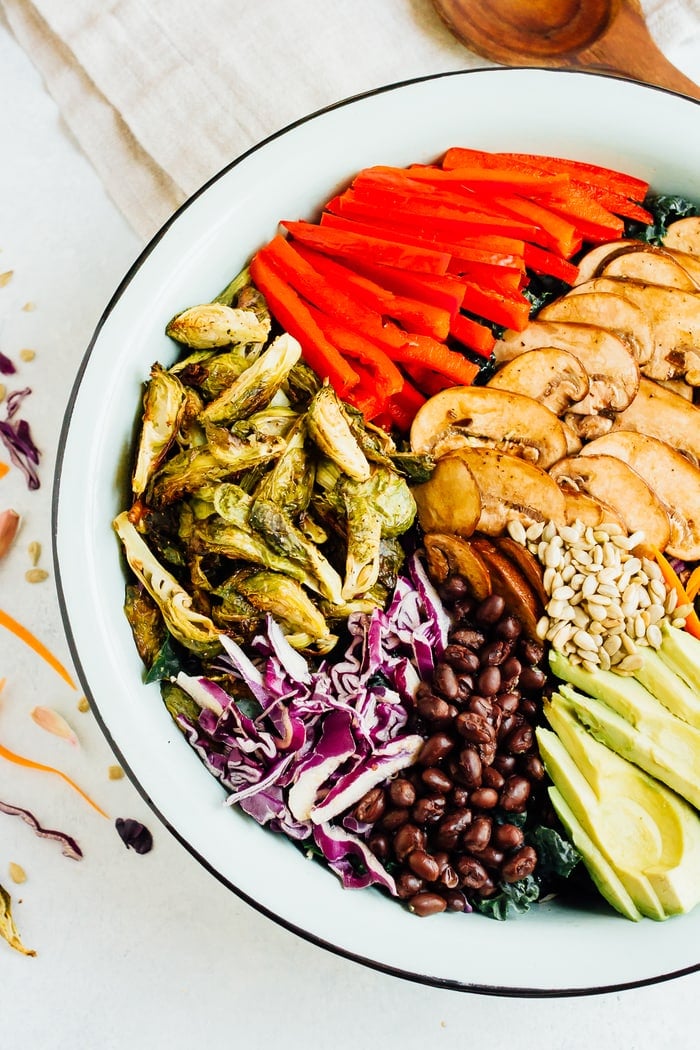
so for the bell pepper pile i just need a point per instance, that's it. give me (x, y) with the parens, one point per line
(409, 267)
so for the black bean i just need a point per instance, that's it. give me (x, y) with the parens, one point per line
(429, 810)
(472, 874)
(520, 740)
(491, 857)
(457, 901)
(427, 904)
(436, 780)
(505, 764)
(529, 708)
(380, 845)
(469, 637)
(409, 837)
(515, 794)
(490, 610)
(451, 827)
(507, 836)
(407, 884)
(445, 681)
(459, 796)
(480, 705)
(484, 798)
(371, 807)
(461, 658)
(423, 865)
(509, 627)
(491, 778)
(519, 865)
(394, 818)
(478, 834)
(533, 767)
(508, 702)
(532, 678)
(489, 681)
(453, 588)
(436, 747)
(474, 728)
(531, 651)
(401, 792)
(433, 708)
(495, 653)
(470, 766)
(510, 673)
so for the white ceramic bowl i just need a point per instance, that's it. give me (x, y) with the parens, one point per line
(555, 949)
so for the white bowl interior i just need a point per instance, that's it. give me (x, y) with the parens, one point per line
(649, 132)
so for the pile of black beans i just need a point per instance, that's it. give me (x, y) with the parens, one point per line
(449, 828)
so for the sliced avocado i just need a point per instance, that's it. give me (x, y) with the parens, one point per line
(641, 826)
(668, 687)
(600, 789)
(681, 651)
(632, 722)
(602, 873)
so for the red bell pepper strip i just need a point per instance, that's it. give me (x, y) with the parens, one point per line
(497, 278)
(467, 251)
(413, 315)
(509, 311)
(427, 381)
(401, 408)
(293, 314)
(620, 182)
(445, 292)
(450, 222)
(428, 353)
(494, 178)
(472, 334)
(591, 219)
(362, 352)
(540, 261)
(553, 231)
(350, 245)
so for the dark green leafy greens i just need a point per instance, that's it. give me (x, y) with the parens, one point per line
(666, 208)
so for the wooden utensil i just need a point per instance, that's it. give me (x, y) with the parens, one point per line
(600, 35)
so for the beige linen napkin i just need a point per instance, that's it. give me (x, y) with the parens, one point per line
(161, 94)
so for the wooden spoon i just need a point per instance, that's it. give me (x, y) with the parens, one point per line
(599, 35)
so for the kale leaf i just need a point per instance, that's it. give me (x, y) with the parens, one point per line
(665, 210)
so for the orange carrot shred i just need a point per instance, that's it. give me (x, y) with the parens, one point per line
(4, 469)
(26, 636)
(693, 585)
(29, 763)
(672, 579)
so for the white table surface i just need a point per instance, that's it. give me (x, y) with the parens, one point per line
(150, 951)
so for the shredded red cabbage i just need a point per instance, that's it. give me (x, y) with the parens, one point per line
(7, 368)
(323, 737)
(17, 438)
(69, 847)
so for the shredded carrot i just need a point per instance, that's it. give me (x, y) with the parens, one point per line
(693, 585)
(672, 579)
(33, 642)
(31, 764)
(4, 469)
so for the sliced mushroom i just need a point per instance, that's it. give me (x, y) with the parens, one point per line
(587, 428)
(473, 416)
(589, 264)
(450, 501)
(672, 477)
(526, 562)
(658, 412)
(651, 265)
(684, 235)
(675, 319)
(613, 312)
(554, 378)
(448, 555)
(580, 506)
(511, 489)
(613, 373)
(615, 484)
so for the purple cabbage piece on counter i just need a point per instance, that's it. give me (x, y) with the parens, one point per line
(324, 737)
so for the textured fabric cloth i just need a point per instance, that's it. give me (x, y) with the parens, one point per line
(161, 94)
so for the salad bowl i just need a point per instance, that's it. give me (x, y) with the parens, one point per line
(557, 948)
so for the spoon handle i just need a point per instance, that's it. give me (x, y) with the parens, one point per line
(628, 48)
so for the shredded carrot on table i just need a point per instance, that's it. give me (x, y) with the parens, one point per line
(693, 585)
(26, 636)
(29, 763)
(4, 469)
